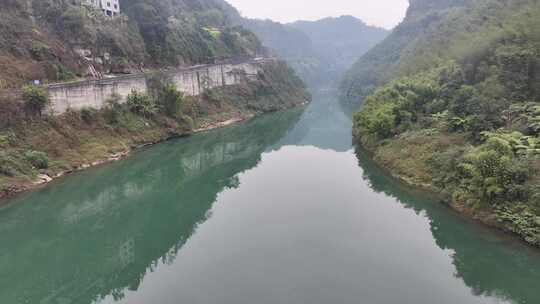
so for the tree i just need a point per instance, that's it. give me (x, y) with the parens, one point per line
(493, 174)
(35, 99)
(140, 103)
(171, 100)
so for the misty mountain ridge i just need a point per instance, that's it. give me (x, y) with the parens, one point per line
(321, 51)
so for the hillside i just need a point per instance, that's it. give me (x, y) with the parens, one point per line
(406, 49)
(64, 40)
(456, 107)
(320, 51)
(58, 40)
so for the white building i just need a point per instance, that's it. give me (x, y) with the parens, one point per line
(109, 7)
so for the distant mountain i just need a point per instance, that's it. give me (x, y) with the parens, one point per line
(281, 39)
(340, 41)
(321, 51)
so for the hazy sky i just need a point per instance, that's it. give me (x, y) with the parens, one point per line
(385, 13)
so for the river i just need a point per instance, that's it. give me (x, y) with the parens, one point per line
(279, 209)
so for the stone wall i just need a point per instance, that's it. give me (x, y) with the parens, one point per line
(191, 81)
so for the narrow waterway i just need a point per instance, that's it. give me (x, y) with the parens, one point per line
(277, 210)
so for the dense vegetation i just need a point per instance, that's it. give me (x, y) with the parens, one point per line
(426, 34)
(57, 40)
(461, 113)
(320, 51)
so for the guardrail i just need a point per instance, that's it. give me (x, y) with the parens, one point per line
(107, 80)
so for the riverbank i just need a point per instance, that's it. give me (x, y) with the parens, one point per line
(406, 159)
(36, 149)
(43, 178)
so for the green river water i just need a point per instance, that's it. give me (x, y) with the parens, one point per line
(279, 209)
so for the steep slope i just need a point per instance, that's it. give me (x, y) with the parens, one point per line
(422, 25)
(56, 40)
(320, 51)
(458, 110)
(59, 40)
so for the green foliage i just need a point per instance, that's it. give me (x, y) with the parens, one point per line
(88, 115)
(171, 100)
(112, 110)
(165, 97)
(148, 33)
(492, 173)
(396, 107)
(523, 117)
(522, 220)
(520, 144)
(8, 138)
(443, 167)
(486, 37)
(38, 159)
(39, 50)
(63, 73)
(470, 72)
(179, 31)
(12, 165)
(73, 19)
(214, 32)
(35, 99)
(141, 104)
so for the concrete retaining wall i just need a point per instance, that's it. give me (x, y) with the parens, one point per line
(191, 81)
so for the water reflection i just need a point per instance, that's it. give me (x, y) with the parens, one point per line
(489, 263)
(99, 232)
(324, 124)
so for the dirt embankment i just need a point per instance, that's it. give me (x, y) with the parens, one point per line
(209, 123)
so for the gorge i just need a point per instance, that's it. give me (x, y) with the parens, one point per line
(260, 212)
(177, 151)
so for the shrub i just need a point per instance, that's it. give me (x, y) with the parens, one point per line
(171, 100)
(112, 110)
(63, 73)
(3, 140)
(38, 159)
(211, 95)
(35, 98)
(73, 19)
(11, 165)
(188, 122)
(8, 165)
(39, 50)
(493, 174)
(141, 104)
(88, 115)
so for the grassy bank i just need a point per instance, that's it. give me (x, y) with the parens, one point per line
(415, 159)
